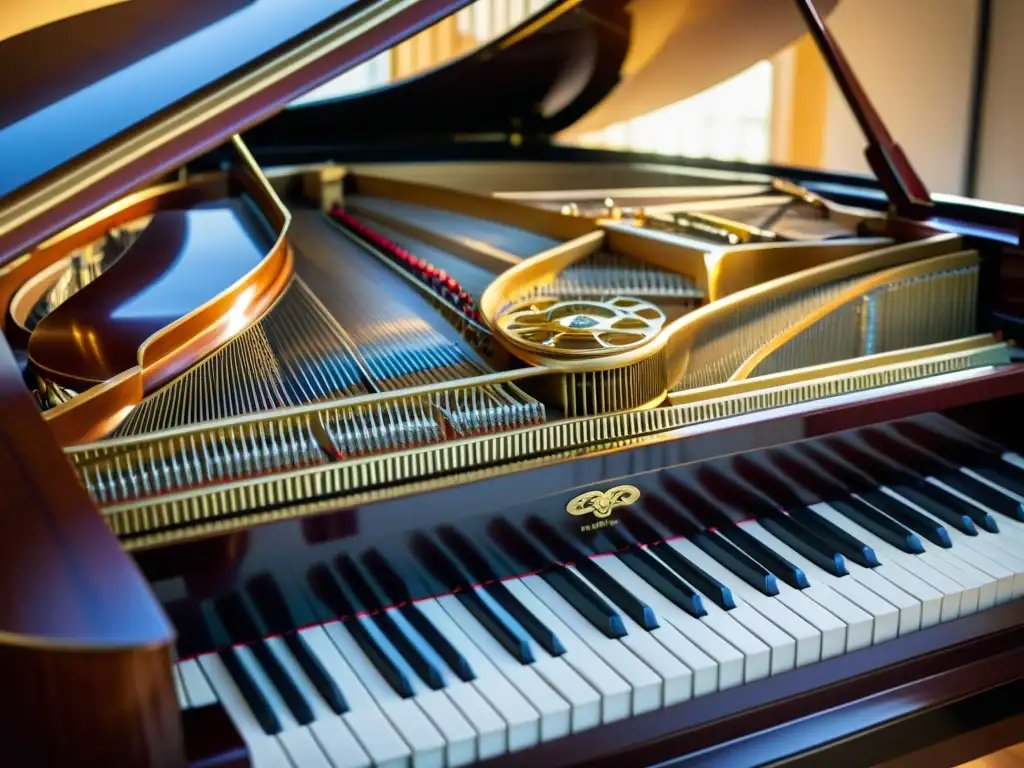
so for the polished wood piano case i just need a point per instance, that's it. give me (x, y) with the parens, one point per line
(103, 598)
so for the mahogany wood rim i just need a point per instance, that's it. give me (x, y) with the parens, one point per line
(173, 349)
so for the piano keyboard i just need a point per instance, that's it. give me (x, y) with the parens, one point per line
(497, 668)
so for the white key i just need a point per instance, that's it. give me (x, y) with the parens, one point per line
(925, 581)
(364, 719)
(914, 607)
(491, 731)
(671, 616)
(716, 665)
(428, 746)
(793, 642)
(198, 690)
(555, 714)
(584, 702)
(614, 691)
(645, 685)
(677, 677)
(330, 731)
(831, 629)
(458, 734)
(830, 592)
(179, 688)
(971, 583)
(1006, 548)
(264, 750)
(912, 611)
(1009, 540)
(297, 741)
(757, 655)
(999, 587)
(522, 720)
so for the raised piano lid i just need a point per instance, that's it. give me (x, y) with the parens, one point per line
(113, 97)
(576, 66)
(100, 102)
(583, 65)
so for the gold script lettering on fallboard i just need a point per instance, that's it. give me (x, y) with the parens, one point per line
(601, 503)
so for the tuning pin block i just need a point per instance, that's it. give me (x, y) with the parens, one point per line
(443, 284)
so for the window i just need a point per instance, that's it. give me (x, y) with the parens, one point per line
(731, 121)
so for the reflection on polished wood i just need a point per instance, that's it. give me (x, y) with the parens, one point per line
(75, 614)
(1011, 757)
(195, 278)
(181, 261)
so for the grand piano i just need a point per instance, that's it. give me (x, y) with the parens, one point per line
(385, 431)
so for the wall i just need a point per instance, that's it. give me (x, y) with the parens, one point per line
(1001, 162)
(915, 59)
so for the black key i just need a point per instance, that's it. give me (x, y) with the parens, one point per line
(958, 506)
(397, 592)
(911, 518)
(194, 636)
(648, 568)
(921, 493)
(496, 625)
(586, 601)
(772, 481)
(928, 464)
(239, 623)
(272, 607)
(983, 494)
(695, 518)
(969, 451)
(478, 566)
(897, 465)
(547, 639)
(829, 532)
(773, 561)
(879, 524)
(1003, 474)
(435, 558)
(250, 692)
(708, 585)
(711, 587)
(789, 532)
(733, 490)
(567, 584)
(328, 590)
(385, 622)
(569, 552)
(887, 472)
(728, 555)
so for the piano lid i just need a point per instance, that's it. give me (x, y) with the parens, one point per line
(95, 103)
(578, 65)
(113, 97)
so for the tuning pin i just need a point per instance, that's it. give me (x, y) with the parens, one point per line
(610, 209)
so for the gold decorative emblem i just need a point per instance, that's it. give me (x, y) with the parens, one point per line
(601, 503)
